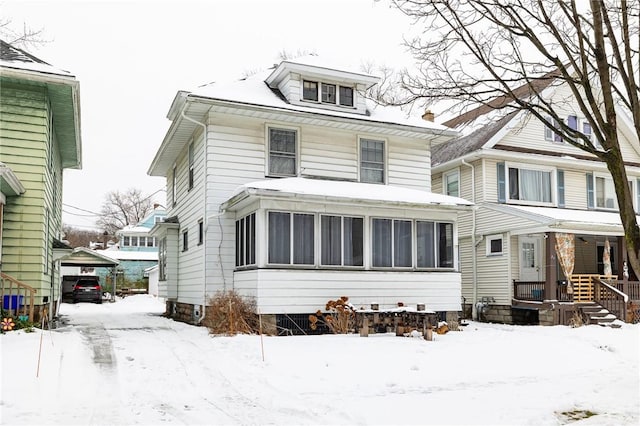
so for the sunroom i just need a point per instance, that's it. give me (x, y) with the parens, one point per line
(300, 242)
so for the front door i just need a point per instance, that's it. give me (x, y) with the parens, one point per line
(531, 259)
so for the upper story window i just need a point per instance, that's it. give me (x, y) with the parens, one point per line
(451, 183)
(328, 93)
(282, 152)
(310, 90)
(601, 192)
(191, 165)
(174, 189)
(185, 240)
(550, 133)
(372, 161)
(524, 184)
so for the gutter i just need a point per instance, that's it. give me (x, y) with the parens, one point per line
(474, 267)
(205, 216)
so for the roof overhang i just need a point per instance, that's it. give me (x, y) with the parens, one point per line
(82, 256)
(285, 67)
(550, 219)
(198, 107)
(10, 185)
(64, 96)
(304, 189)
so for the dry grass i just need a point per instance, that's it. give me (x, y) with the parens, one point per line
(229, 313)
(340, 318)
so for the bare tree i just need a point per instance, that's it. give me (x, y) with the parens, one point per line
(22, 36)
(502, 55)
(123, 208)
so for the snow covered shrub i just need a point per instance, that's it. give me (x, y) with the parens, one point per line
(340, 318)
(229, 313)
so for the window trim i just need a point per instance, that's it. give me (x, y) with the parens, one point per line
(385, 162)
(267, 150)
(492, 238)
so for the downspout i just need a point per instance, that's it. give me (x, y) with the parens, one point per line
(205, 216)
(474, 267)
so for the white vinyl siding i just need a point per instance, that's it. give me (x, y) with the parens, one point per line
(304, 291)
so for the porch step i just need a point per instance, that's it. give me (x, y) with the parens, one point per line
(598, 314)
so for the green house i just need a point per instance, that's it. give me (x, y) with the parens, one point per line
(39, 138)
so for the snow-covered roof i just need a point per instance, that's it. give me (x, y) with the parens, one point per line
(131, 255)
(559, 219)
(253, 90)
(347, 191)
(16, 58)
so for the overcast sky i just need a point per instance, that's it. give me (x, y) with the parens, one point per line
(132, 57)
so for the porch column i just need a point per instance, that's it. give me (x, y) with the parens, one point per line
(551, 269)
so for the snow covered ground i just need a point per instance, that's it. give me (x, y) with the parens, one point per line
(122, 363)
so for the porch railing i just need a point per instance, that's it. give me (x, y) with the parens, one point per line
(583, 291)
(610, 298)
(630, 288)
(534, 291)
(16, 296)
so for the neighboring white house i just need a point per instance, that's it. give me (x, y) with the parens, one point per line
(290, 187)
(532, 189)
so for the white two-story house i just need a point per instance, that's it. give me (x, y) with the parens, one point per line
(289, 187)
(533, 193)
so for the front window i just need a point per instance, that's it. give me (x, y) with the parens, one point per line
(282, 152)
(291, 238)
(341, 240)
(452, 183)
(372, 168)
(529, 185)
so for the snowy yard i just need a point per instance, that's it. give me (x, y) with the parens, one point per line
(123, 363)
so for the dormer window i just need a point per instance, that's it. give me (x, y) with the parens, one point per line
(310, 90)
(346, 96)
(327, 93)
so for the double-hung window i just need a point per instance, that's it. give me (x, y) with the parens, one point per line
(550, 133)
(341, 240)
(372, 161)
(601, 192)
(451, 182)
(291, 238)
(282, 152)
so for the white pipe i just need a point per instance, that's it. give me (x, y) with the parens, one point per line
(474, 267)
(206, 218)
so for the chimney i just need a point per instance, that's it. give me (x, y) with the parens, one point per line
(428, 116)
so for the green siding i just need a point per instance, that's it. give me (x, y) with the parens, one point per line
(28, 146)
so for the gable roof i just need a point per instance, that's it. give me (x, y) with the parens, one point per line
(19, 66)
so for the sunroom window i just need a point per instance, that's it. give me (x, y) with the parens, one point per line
(246, 240)
(341, 240)
(291, 238)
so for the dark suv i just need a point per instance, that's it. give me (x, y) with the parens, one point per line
(87, 291)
